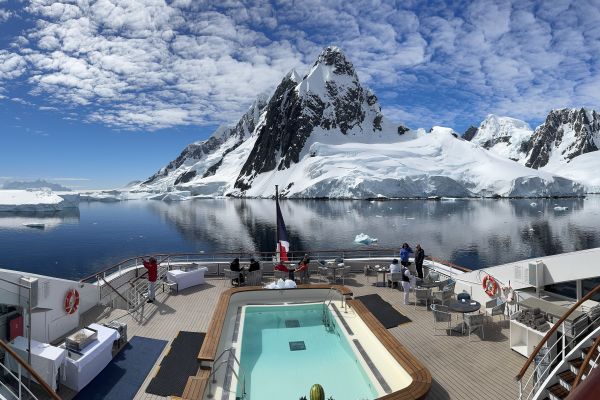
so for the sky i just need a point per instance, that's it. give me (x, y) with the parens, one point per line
(95, 94)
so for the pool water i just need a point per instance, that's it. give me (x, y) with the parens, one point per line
(287, 349)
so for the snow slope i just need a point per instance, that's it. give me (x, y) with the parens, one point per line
(36, 200)
(433, 164)
(584, 169)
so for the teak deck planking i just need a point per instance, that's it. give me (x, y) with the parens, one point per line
(459, 369)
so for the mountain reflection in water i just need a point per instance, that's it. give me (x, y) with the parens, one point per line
(473, 233)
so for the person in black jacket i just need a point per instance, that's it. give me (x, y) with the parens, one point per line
(235, 266)
(419, 257)
(254, 265)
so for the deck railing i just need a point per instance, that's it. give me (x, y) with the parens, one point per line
(586, 362)
(226, 257)
(20, 386)
(540, 371)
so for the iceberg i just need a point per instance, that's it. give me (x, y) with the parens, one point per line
(364, 239)
(37, 200)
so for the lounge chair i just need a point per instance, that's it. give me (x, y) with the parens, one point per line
(254, 278)
(441, 314)
(234, 276)
(344, 272)
(281, 275)
(496, 306)
(395, 277)
(422, 295)
(474, 322)
(443, 296)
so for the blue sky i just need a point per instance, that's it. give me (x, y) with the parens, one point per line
(96, 94)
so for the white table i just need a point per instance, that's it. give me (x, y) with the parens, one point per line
(78, 372)
(186, 279)
(45, 359)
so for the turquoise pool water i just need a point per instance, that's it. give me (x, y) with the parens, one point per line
(275, 371)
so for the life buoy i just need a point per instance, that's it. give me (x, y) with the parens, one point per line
(71, 301)
(490, 285)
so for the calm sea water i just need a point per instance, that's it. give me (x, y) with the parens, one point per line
(473, 233)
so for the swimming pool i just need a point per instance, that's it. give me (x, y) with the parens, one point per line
(287, 349)
(274, 344)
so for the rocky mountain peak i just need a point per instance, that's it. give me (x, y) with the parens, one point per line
(470, 133)
(565, 134)
(333, 57)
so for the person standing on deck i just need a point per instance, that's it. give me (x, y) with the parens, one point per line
(419, 258)
(235, 266)
(406, 276)
(152, 268)
(404, 253)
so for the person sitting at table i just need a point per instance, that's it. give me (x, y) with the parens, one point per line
(281, 267)
(302, 269)
(254, 265)
(235, 266)
(394, 267)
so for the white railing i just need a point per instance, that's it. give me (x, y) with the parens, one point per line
(540, 374)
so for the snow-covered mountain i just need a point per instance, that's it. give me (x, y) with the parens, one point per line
(566, 134)
(323, 135)
(505, 136)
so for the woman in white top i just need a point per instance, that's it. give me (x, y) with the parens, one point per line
(406, 277)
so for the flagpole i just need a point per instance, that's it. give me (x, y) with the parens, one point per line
(278, 257)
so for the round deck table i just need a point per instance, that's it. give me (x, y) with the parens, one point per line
(464, 307)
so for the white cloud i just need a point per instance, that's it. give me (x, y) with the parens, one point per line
(149, 64)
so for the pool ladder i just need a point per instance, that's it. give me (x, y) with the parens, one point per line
(212, 379)
(326, 316)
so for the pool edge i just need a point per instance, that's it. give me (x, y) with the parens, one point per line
(421, 377)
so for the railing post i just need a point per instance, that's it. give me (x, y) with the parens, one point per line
(20, 382)
(564, 341)
(520, 389)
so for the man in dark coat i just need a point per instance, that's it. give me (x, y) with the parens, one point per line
(419, 258)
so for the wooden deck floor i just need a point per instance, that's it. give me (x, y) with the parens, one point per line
(460, 369)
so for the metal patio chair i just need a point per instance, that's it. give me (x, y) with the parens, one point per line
(474, 322)
(441, 315)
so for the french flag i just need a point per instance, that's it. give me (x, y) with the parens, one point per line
(283, 244)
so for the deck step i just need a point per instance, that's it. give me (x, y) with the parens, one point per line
(567, 378)
(558, 392)
(575, 365)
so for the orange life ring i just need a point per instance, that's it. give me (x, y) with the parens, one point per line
(71, 301)
(490, 285)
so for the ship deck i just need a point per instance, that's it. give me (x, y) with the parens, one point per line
(460, 369)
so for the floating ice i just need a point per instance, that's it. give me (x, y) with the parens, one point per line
(533, 204)
(559, 208)
(364, 239)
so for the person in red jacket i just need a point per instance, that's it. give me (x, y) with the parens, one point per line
(152, 268)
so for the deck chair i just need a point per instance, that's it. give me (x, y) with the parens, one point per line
(254, 278)
(441, 315)
(395, 277)
(234, 276)
(281, 275)
(497, 306)
(474, 322)
(422, 295)
(443, 296)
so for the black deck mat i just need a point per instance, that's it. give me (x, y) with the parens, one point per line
(178, 365)
(383, 311)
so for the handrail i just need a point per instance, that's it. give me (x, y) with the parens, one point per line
(552, 330)
(114, 290)
(31, 371)
(262, 253)
(586, 361)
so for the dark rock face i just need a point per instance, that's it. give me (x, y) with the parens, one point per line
(292, 115)
(470, 133)
(550, 136)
